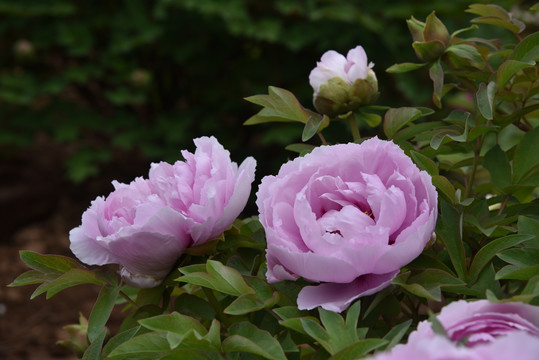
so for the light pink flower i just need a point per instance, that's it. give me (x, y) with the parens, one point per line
(147, 225)
(332, 64)
(517, 345)
(208, 189)
(348, 216)
(482, 321)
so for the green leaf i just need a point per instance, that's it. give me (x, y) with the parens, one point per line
(93, 352)
(415, 129)
(460, 31)
(195, 306)
(515, 29)
(102, 310)
(218, 277)
(317, 332)
(486, 282)
(529, 226)
(175, 323)
(71, 278)
(517, 273)
(404, 67)
(495, 161)
(279, 105)
(248, 303)
(119, 339)
(451, 133)
(479, 130)
(301, 149)
(509, 68)
(313, 125)
(33, 277)
(417, 289)
(352, 317)
(47, 263)
(488, 10)
(495, 15)
(444, 186)
(527, 155)
(485, 99)
(520, 257)
(359, 349)
(427, 283)
(149, 343)
(449, 229)
(213, 337)
(532, 287)
(248, 338)
(424, 163)
(339, 334)
(395, 119)
(436, 74)
(528, 49)
(437, 326)
(487, 252)
(467, 52)
(395, 335)
(373, 120)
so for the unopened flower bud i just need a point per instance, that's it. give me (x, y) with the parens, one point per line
(342, 84)
(431, 37)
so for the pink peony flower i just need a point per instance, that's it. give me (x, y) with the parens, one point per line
(147, 225)
(482, 321)
(208, 189)
(348, 216)
(517, 345)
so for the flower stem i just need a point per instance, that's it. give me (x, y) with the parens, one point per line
(322, 138)
(353, 127)
(129, 300)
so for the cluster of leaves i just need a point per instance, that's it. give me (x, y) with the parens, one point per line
(483, 156)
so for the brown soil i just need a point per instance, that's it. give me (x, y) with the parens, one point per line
(38, 207)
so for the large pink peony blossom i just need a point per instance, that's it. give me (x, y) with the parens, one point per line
(482, 321)
(348, 216)
(517, 345)
(147, 225)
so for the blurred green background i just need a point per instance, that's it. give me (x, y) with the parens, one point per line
(93, 88)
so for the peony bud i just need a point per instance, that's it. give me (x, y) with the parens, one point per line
(342, 84)
(431, 38)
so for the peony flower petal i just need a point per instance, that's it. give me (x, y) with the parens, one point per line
(240, 195)
(330, 65)
(87, 249)
(337, 297)
(482, 320)
(517, 345)
(356, 67)
(313, 266)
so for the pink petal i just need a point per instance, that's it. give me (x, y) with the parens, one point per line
(314, 267)
(337, 297)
